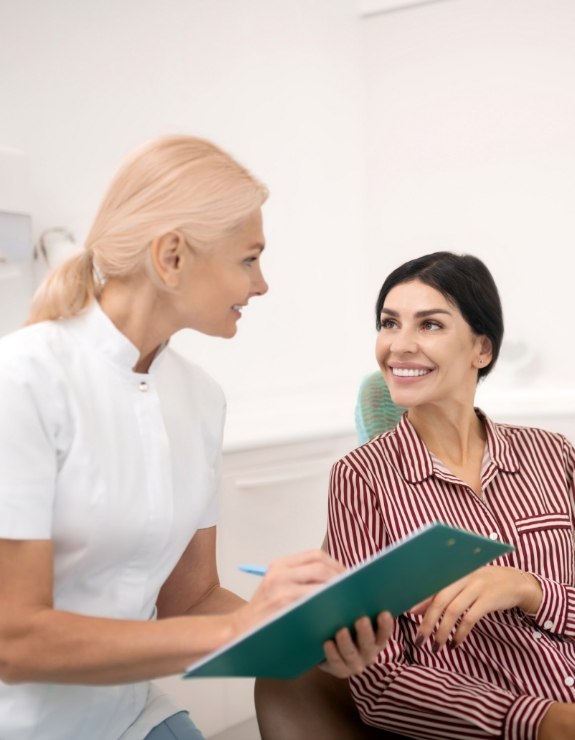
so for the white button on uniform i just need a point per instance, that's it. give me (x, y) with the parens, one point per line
(536, 635)
(569, 681)
(548, 625)
(143, 386)
(493, 536)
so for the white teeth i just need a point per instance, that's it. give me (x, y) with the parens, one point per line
(405, 372)
(237, 307)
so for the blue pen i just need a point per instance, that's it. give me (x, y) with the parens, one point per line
(256, 570)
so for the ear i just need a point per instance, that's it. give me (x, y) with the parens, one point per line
(168, 255)
(484, 353)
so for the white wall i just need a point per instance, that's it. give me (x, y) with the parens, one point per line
(447, 125)
(471, 140)
(276, 83)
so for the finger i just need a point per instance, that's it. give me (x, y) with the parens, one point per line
(436, 608)
(313, 566)
(349, 652)
(384, 629)
(422, 606)
(366, 641)
(457, 611)
(468, 622)
(336, 663)
(333, 663)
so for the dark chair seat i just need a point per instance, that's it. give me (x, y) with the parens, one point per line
(315, 706)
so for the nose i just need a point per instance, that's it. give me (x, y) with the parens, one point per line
(400, 341)
(403, 342)
(259, 286)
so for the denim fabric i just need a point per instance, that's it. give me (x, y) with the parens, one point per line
(177, 727)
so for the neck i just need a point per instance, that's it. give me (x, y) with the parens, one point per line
(452, 432)
(135, 307)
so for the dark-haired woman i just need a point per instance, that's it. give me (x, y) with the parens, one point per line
(493, 655)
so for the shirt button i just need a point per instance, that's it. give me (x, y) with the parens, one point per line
(493, 536)
(548, 625)
(536, 635)
(143, 386)
(569, 681)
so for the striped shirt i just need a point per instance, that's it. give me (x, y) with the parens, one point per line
(502, 679)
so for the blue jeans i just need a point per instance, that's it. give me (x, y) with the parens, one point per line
(177, 727)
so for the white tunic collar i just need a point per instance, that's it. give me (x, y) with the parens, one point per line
(102, 334)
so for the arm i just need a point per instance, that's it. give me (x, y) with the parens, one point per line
(549, 603)
(193, 588)
(42, 644)
(410, 686)
(556, 612)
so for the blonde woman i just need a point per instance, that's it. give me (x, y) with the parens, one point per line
(110, 446)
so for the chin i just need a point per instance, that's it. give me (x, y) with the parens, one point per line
(228, 333)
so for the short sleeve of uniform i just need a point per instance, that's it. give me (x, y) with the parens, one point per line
(27, 453)
(211, 514)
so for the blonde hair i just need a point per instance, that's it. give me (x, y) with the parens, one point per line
(172, 183)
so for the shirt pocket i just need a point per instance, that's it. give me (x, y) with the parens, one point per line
(543, 522)
(546, 545)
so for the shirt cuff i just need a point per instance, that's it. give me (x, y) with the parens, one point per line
(556, 612)
(524, 717)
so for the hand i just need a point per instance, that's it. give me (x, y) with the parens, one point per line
(558, 723)
(286, 580)
(486, 590)
(344, 658)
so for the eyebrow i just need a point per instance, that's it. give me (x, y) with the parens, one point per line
(259, 246)
(418, 314)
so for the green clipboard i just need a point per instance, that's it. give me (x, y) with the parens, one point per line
(404, 574)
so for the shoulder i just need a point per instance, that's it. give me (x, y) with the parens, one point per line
(517, 435)
(532, 443)
(190, 378)
(31, 350)
(370, 459)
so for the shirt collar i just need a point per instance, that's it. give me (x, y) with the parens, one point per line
(500, 450)
(417, 463)
(97, 329)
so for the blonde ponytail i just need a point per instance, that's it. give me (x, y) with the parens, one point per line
(66, 290)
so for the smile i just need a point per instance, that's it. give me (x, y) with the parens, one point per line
(408, 372)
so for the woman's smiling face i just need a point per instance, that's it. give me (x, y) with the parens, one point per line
(221, 280)
(425, 348)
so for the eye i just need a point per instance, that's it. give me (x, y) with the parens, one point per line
(249, 261)
(387, 323)
(431, 325)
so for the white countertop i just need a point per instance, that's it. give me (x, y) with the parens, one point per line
(295, 417)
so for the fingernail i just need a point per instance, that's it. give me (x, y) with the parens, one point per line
(452, 645)
(419, 640)
(435, 647)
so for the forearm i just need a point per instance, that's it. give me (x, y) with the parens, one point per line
(558, 722)
(61, 647)
(444, 704)
(218, 601)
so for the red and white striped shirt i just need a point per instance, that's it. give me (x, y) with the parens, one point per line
(501, 680)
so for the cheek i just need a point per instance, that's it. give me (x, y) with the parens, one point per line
(381, 348)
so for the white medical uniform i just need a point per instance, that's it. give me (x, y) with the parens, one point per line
(119, 469)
